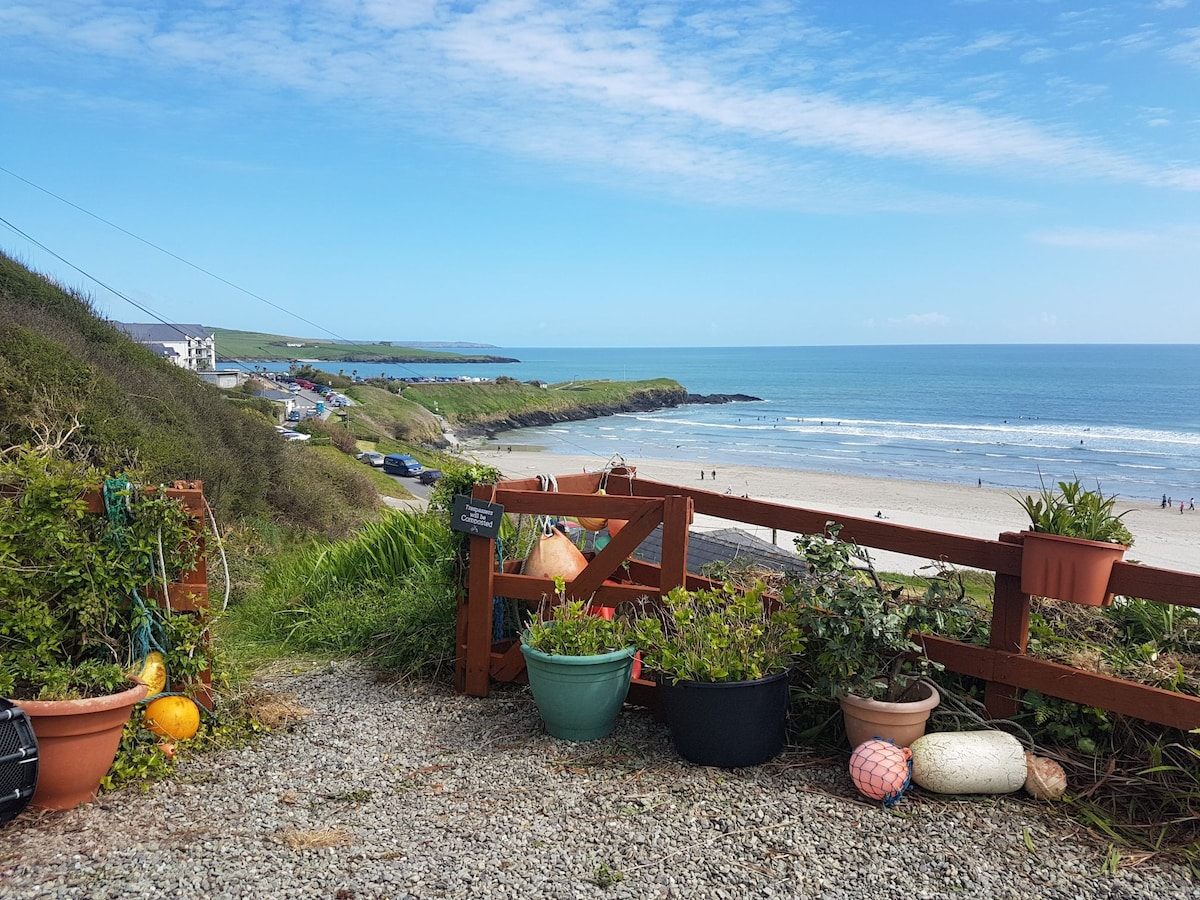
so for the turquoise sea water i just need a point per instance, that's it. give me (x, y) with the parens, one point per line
(1127, 416)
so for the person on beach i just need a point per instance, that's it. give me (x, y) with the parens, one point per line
(714, 474)
(1181, 507)
(701, 474)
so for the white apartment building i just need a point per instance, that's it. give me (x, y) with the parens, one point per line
(188, 346)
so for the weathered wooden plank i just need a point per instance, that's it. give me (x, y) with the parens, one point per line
(1055, 680)
(1009, 633)
(1150, 583)
(510, 664)
(972, 552)
(561, 503)
(608, 560)
(677, 517)
(533, 590)
(479, 607)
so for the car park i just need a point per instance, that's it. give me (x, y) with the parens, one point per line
(401, 464)
(430, 476)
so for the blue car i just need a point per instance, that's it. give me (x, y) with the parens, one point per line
(400, 464)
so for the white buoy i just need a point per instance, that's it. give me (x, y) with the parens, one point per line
(969, 762)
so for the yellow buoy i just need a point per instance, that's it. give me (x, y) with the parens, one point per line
(173, 717)
(592, 524)
(153, 673)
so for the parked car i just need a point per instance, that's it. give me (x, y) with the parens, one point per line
(430, 476)
(371, 458)
(400, 464)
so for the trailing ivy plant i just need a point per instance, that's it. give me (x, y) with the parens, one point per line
(68, 578)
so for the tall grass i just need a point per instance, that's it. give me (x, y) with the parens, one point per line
(388, 591)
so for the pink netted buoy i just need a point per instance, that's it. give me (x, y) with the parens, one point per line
(881, 770)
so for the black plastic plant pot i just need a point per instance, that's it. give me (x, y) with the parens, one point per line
(727, 724)
(18, 761)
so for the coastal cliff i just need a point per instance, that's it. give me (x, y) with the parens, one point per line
(646, 400)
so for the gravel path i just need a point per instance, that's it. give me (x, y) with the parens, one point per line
(409, 790)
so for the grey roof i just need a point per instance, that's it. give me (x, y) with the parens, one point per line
(274, 395)
(723, 545)
(144, 332)
(163, 350)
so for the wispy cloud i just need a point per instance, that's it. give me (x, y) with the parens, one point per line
(1120, 239)
(759, 104)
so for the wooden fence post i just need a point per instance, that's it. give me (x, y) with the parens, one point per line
(1010, 633)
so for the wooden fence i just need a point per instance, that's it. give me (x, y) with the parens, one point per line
(611, 577)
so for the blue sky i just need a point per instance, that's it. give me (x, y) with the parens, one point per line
(598, 174)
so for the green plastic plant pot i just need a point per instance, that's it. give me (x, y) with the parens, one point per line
(579, 697)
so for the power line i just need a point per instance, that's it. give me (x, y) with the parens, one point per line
(174, 256)
(130, 300)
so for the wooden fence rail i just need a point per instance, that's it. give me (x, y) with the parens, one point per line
(1004, 664)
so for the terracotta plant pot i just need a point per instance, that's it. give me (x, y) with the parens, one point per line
(901, 723)
(1067, 568)
(77, 743)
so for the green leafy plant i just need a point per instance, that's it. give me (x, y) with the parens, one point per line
(1070, 510)
(862, 638)
(70, 579)
(718, 636)
(572, 628)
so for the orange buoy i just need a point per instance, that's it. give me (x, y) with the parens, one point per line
(173, 717)
(554, 554)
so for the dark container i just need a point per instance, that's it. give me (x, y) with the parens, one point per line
(727, 724)
(18, 761)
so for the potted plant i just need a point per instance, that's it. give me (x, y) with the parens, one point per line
(864, 641)
(1075, 536)
(721, 659)
(579, 665)
(71, 617)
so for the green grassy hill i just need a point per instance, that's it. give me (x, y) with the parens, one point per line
(510, 404)
(255, 346)
(65, 374)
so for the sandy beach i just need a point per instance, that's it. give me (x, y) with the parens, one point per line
(1163, 537)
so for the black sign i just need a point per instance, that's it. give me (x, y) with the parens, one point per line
(476, 516)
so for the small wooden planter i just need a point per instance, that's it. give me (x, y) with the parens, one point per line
(1066, 568)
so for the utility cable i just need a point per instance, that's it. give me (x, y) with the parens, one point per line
(174, 256)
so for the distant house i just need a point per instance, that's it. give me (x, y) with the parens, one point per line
(225, 378)
(187, 346)
(283, 398)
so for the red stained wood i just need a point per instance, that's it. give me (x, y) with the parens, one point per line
(612, 579)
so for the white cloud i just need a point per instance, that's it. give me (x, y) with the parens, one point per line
(753, 101)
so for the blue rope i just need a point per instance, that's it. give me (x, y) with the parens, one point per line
(148, 634)
(498, 602)
(891, 800)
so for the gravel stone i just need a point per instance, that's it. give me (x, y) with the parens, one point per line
(409, 790)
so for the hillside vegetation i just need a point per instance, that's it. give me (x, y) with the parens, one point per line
(254, 346)
(513, 404)
(68, 376)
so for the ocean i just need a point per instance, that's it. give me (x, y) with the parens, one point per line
(1124, 416)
